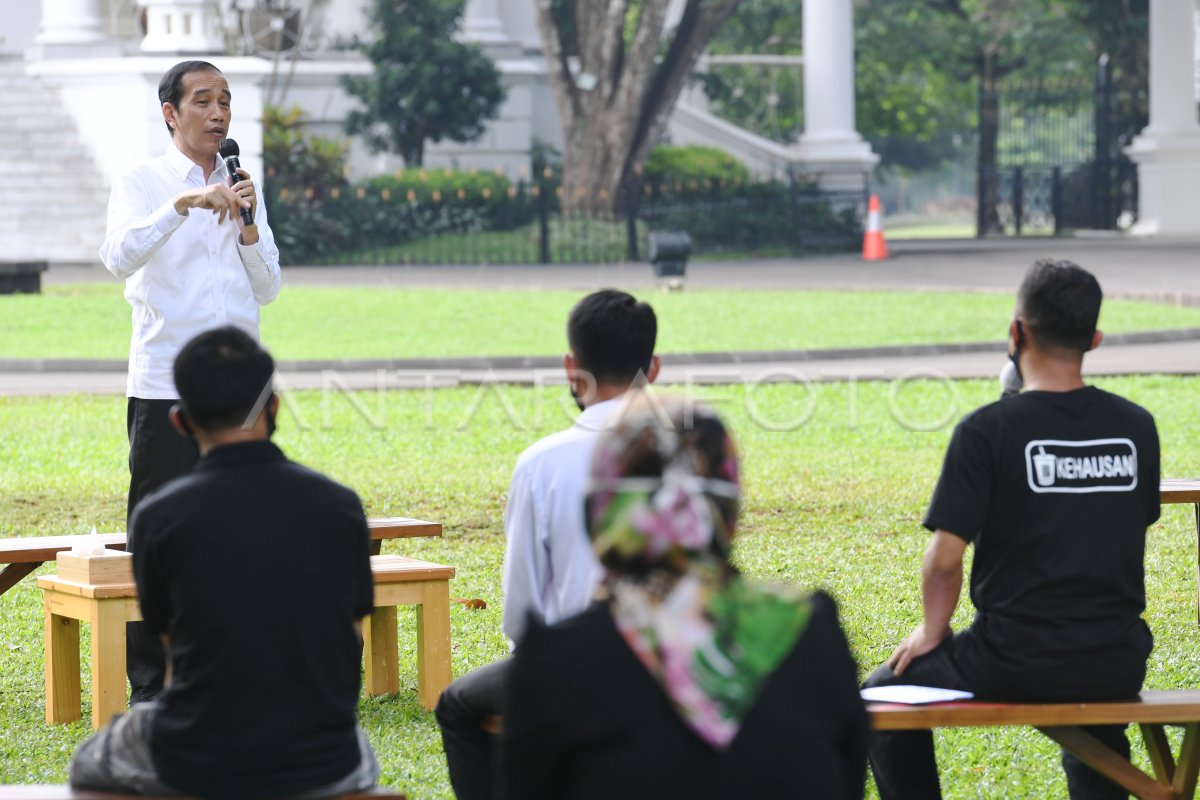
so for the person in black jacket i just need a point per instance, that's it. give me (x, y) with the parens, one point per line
(687, 680)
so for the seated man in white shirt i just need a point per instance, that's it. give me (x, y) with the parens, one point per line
(550, 569)
(193, 246)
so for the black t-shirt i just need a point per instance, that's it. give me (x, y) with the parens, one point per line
(256, 568)
(1055, 490)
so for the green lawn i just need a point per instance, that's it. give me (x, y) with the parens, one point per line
(932, 230)
(835, 487)
(92, 321)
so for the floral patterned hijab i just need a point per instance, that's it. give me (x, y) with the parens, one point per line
(661, 510)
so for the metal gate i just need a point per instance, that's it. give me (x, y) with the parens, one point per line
(1057, 162)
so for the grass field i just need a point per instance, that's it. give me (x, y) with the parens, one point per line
(92, 321)
(934, 230)
(836, 479)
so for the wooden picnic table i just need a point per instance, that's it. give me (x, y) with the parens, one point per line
(24, 554)
(1185, 490)
(398, 581)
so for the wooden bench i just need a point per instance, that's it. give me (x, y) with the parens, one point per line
(1172, 780)
(55, 792)
(398, 581)
(1187, 492)
(24, 554)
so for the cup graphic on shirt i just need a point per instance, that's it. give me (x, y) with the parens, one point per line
(1043, 466)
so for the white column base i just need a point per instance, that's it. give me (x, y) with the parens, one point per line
(847, 152)
(1168, 184)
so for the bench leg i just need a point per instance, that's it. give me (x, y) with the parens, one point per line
(1183, 786)
(11, 575)
(433, 642)
(1198, 562)
(1091, 751)
(381, 646)
(109, 697)
(1159, 750)
(62, 669)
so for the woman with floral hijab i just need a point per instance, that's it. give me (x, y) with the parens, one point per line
(686, 679)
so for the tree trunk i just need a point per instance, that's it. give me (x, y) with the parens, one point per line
(615, 89)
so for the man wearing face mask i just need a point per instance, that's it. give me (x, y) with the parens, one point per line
(550, 568)
(255, 573)
(1055, 487)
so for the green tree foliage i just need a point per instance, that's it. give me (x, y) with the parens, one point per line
(919, 63)
(767, 100)
(426, 86)
(1121, 28)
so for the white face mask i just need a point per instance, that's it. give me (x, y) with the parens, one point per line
(1010, 379)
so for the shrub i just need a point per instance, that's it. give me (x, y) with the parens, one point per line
(413, 203)
(693, 164)
(304, 180)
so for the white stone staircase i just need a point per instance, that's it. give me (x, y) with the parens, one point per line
(55, 201)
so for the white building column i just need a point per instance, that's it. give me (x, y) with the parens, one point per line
(831, 140)
(71, 28)
(1167, 152)
(483, 26)
(182, 26)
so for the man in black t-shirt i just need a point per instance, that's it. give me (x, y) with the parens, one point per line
(255, 572)
(1055, 487)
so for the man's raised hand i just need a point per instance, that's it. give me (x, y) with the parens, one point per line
(216, 197)
(244, 189)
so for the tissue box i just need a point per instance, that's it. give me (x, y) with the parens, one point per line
(105, 569)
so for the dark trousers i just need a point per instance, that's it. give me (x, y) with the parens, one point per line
(903, 762)
(461, 712)
(157, 454)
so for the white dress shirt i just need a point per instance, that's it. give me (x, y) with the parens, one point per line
(184, 274)
(549, 565)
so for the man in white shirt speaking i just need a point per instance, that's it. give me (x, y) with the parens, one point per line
(550, 569)
(190, 263)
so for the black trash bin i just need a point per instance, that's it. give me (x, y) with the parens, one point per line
(669, 251)
(21, 276)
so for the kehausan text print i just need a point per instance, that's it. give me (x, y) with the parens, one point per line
(1095, 465)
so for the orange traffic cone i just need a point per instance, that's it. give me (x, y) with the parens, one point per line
(874, 245)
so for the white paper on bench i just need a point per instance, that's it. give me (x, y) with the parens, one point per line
(912, 695)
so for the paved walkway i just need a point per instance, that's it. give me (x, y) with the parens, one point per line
(1126, 267)
(1180, 358)
(1164, 271)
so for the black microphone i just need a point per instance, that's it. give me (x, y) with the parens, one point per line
(230, 151)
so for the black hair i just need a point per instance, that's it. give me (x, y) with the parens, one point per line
(611, 334)
(1060, 304)
(223, 378)
(170, 88)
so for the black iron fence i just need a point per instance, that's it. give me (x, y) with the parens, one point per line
(1046, 201)
(444, 217)
(1050, 156)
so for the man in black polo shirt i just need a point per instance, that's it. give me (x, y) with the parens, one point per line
(1055, 487)
(255, 572)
